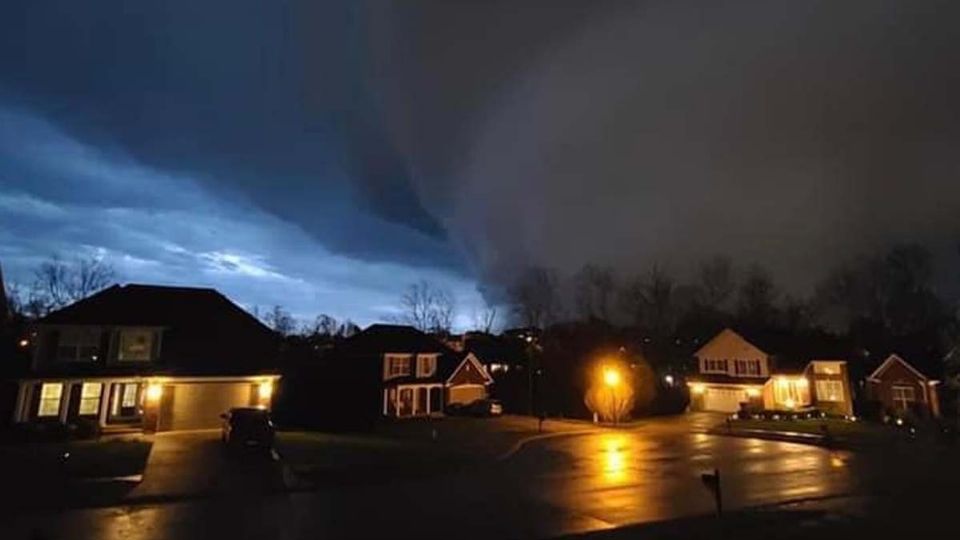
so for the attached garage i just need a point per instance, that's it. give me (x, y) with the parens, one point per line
(723, 399)
(466, 393)
(198, 405)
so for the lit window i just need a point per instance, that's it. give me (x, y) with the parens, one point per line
(903, 396)
(829, 391)
(129, 396)
(824, 368)
(78, 345)
(426, 365)
(398, 365)
(50, 394)
(135, 345)
(90, 398)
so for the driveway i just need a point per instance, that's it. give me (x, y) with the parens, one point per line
(194, 463)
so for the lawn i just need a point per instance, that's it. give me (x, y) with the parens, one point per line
(75, 459)
(842, 430)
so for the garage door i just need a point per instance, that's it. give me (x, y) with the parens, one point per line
(466, 393)
(199, 405)
(723, 400)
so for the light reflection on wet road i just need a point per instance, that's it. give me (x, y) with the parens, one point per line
(552, 487)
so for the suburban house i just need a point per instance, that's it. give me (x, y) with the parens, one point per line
(143, 357)
(901, 388)
(406, 373)
(734, 373)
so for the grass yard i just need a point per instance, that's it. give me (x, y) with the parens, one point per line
(856, 432)
(75, 459)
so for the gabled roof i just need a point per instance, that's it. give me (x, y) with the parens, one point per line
(471, 361)
(154, 305)
(728, 334)
(891, 360)
(378, 339)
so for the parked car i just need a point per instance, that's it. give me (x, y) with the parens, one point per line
(247, 426)
(484, 407)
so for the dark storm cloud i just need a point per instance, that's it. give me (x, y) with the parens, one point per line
(483, 136)
(792, 134)
(262, 100)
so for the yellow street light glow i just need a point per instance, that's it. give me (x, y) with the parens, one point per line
(611, 377)
(265, 390)
(154, 392)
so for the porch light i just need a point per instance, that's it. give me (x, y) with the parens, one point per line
(265, 390)
(154, 392)
(698, 388)
(789, 403)
(753, 392)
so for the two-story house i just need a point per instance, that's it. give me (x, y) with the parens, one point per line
(406, 373)
(147, 357)
(734, 373)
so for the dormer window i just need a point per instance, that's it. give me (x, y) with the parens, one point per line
(426, 365)
(78, 345)
(135, 346)
(396, 365)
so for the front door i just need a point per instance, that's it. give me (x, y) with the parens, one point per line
(422, 402)
(405, 407)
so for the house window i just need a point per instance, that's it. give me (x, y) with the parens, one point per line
(426, 365)
(135, 345)
(50, 394)
(398, 365)
(90, 398)
(829, 391)
(753, 367)
(822, 368)
(903, 396)
(129, 396)
(78, 345)
(715, 366)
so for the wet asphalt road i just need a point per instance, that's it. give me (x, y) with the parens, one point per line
(551, 487)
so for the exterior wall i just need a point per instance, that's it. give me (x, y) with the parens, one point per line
(896, 374)
(466, 393)
(831, 371)
(701, 396)
(162, 404)
(778, 390)
(730, 346)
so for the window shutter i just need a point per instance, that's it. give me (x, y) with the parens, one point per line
(104, 347)
(50, 344)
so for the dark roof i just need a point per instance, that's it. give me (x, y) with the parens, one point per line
(382, 338)
(204, 333)
(153, 305)
(378, 339)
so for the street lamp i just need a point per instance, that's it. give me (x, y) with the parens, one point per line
(611, 377)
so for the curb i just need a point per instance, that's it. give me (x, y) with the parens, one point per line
(519, 445)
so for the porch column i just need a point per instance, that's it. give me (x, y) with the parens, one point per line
(19, 412)
(106, 394)
(65, 400)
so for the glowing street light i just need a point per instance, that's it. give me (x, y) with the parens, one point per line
(611, 377)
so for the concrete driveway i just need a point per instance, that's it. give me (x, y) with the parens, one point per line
(195, 463)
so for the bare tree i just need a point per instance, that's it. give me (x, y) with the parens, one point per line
(428, 308)
(650, 300)
(716, 283)
(485, 318)
(58, 283)
(347, 328)
(280, 321)
(757, 298)
(594, 289)
(322, 325)
(534, 296)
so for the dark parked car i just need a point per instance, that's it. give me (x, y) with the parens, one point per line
(480, 407)
(247, 426)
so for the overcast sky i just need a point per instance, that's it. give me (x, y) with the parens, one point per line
(324, 155)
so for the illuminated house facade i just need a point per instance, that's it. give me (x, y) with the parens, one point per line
(141, 357)
(405, 373)
(735, 374)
